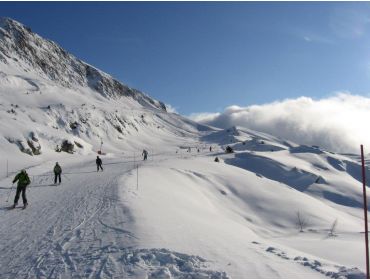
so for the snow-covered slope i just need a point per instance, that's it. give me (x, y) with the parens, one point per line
(271, 209)
(242, 212)
(180, 214)
(49, 97)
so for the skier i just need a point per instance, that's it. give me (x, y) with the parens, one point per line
(99, 164)
(229, 149)
(23, 182)
(57, 173)
(145, 154)
(210, 148)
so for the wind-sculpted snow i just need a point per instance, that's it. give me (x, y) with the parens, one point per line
(299, 179)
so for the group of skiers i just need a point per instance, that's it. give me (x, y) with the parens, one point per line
(24, 180)
(198, 150)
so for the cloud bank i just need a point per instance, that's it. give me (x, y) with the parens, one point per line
(338, 123)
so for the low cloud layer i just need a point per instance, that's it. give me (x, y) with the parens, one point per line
(339, 123)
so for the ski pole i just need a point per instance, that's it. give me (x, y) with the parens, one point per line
(10, 191)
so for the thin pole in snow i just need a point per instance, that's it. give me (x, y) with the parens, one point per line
(365, 212)
(137, 177)
(7, 168)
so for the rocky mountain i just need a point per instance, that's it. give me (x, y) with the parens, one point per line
(51, 100)
(30, 52)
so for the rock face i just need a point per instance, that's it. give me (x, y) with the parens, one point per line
(21, 46)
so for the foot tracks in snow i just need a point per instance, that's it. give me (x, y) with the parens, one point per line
(328, 269)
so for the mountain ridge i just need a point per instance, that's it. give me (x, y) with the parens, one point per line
(19, 44)
(49, 97)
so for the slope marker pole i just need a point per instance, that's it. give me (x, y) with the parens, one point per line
(365, 212)
(137, 177)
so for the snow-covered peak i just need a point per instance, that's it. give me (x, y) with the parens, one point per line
(30, 53)
(12, 25)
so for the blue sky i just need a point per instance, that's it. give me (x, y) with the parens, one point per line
(205, 56)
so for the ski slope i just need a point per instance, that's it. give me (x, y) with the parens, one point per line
(79, 229)
(177, 215)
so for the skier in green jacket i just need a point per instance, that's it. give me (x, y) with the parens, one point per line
(57, 173)
(23, 182)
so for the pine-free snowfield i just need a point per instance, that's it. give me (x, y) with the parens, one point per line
(187, 217)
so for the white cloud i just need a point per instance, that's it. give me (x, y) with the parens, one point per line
(338, 123)
(170, 109)
(204, 117)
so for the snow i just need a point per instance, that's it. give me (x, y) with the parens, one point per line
(177, 215)
(184, 216)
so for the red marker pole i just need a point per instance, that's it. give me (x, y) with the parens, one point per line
(365, 211)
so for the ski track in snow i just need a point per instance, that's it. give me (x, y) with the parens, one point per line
(74, 233)
(80, 229)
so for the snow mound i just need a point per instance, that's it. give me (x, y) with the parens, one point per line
(274, 170)
(162, 263)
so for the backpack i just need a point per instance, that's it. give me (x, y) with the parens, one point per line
(57, 169)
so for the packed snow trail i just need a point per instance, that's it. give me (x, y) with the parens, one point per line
(67, 228)
(83, 229)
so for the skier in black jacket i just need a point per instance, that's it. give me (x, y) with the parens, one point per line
(57, 173)
(99, 164)
(23, 182)
(145, 154)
